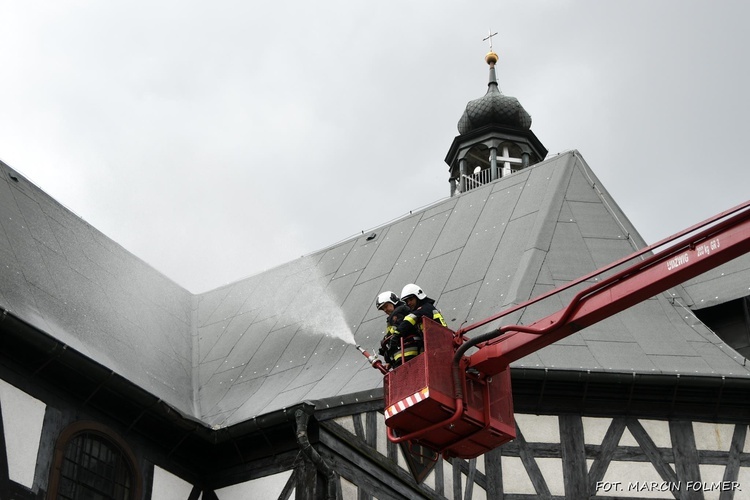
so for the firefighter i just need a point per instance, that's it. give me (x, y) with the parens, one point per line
(410, 329)
(396, 311)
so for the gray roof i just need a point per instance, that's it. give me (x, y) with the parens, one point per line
(727, 282)
(275, 339)
(65, 278)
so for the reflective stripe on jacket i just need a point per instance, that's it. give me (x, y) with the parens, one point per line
(413, 321)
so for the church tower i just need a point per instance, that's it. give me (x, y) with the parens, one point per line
(495, 139)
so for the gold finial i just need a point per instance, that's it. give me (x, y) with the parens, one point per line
(491, 57)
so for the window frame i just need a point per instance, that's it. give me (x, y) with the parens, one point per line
(113, 439)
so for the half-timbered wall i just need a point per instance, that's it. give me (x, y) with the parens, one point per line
(573, 456)
(554, 456)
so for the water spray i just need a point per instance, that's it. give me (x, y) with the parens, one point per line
(374, 361)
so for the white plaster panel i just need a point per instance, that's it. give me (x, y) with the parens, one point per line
(715, 437)
(430, 479)
(448, 480)
(627, 439)
(480, 464)
(347, 422)
(594, 429)
(382, 438)
(712, 476)
(626, 480)
(515, 477)
(477, 493)
(257, 489)
(167, 486)
(658, 431)
(348, 490)
(539, 428)
(744, 479)
(552, 472)
(23, 417)
(401, 460)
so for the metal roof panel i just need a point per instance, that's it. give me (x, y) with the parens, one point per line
(727, 282)
(461, 220)
(569, 257)
(567, 357)
(594, 221)
(390, 244)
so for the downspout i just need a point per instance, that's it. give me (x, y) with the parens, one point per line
(302, 417)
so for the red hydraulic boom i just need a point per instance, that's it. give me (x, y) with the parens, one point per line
(462, 406)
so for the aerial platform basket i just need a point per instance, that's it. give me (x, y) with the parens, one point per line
(421, 404)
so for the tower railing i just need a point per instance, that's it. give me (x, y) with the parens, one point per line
(477, 179)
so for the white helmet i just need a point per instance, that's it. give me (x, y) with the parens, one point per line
(386, 297)
(412, 289)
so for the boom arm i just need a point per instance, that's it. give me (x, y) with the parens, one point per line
(684, 256)
(473, 413)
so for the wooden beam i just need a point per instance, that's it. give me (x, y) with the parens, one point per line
(209, 495)
(479, 478)
(493, 471)
(371, 431)
(457, 478)
(369, 402)
(359, 429)
(347, 450)
(195, 493)
(286, 492)
(365, 483)
(392, 452)
(685, 457)
(305, 480)
(732, 471)
(606, 452)
(652, 452)
(439, 477)
(532, 468)
(252, 470)
(4, 474)
(468, 492)
(573, 452)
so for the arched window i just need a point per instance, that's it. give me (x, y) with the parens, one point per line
(92, 463)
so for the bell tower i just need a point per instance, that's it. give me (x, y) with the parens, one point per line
(495, 138)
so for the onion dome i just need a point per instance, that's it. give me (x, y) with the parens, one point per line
(494, 108)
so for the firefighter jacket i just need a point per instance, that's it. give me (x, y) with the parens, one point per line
(410, 330)
(394, 319)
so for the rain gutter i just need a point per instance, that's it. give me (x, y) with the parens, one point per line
(708, 397)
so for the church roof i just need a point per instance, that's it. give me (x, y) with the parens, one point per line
(67, 279)
(279, 338)
(727, 282)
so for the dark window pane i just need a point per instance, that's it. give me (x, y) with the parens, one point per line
(94, 469)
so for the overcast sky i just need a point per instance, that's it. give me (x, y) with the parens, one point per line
(218, 139)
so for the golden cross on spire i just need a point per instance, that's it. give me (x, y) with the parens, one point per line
(491, 34)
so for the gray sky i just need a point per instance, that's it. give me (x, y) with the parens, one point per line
(216, 140)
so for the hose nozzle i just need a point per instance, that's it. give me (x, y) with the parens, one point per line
(374, 361)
